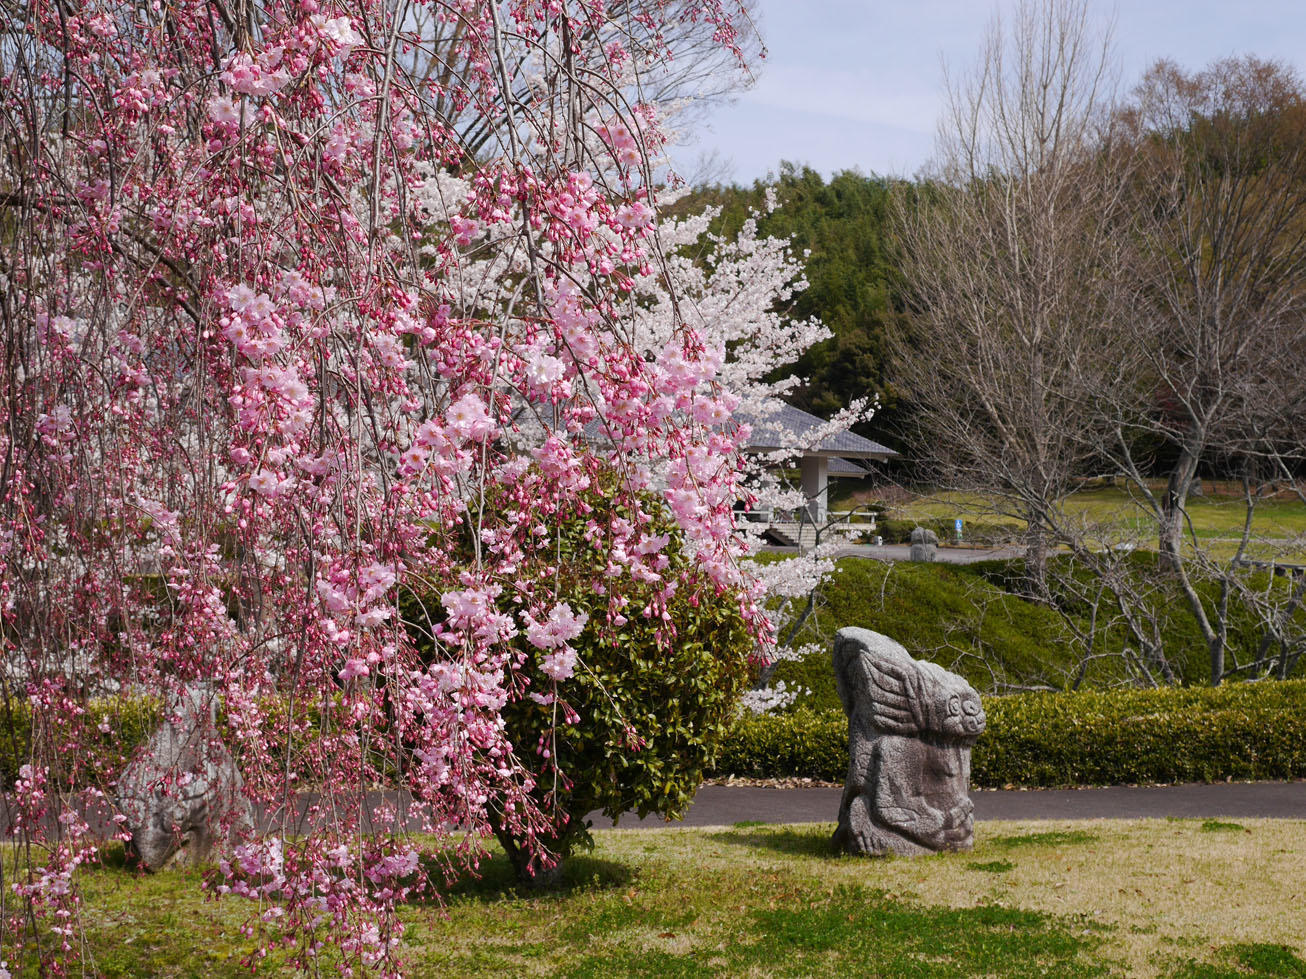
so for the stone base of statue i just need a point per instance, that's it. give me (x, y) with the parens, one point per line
(911, 727)
(182, 796)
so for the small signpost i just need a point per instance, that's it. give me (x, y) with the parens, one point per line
(958, 530)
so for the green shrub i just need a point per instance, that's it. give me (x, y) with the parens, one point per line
(802, 743)
(654, 699)
(1238, 731)
(897, 530)
(894, 530)
(114, 728)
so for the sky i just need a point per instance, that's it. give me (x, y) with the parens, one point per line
(859, 83)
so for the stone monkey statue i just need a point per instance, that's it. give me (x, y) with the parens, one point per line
(182, 795)
(911, 726)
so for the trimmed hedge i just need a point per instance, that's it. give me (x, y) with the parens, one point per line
(1239, 731)
(804, 744)
(111, 730)
(1049, 740)
(129, 722)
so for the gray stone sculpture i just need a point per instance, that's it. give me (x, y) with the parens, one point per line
(911, 726)
(182, 795)
(924, 544)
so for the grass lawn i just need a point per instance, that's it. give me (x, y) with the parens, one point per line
(1217, 517)
(1213, 516)
(1138, 898)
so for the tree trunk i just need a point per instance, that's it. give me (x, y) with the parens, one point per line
(1036, 557)
(1173, 508)
(530, 872)
(1215, 649)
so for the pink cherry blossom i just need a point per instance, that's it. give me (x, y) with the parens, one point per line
(338, 30)
(224, 110)
(469, 418)
(558, 628)
(265, 483)
(352, 669)
(274, 393)
(465, 229)
(560, 664)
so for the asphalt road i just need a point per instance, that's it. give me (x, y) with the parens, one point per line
(724, 805)
(946, 555)
(902, 552)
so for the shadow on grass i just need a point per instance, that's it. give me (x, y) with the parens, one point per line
(114, 863)
(814, 842)
(495, 880)
(1219, 826)
(860, 931)
(113, 856)
(498, 881)
(992, 866)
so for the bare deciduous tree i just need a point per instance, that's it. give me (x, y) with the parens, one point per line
(1114, 288)
(1217, 335)
(1004, 254)
(1220, 212)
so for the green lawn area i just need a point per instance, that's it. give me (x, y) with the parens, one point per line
(944, 613)
(1212, 516)
(1217, 516)
(1137, 898)
(969, 619)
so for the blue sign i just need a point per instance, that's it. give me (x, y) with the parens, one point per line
(959, 528)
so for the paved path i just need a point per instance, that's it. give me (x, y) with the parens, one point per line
(945, 555)
(902, 552)
(723, 805)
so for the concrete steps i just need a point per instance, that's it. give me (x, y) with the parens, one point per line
(800, 535)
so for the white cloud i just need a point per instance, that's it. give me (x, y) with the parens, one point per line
(856, 96)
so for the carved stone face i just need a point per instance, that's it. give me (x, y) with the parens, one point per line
(963, 714)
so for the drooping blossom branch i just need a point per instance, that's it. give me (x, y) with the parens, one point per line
(258, 380)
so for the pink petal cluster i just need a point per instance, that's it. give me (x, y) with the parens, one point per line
(560, 627)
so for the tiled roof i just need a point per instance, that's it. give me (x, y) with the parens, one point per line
(842, 467)
(785, 418)
(767, 436)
